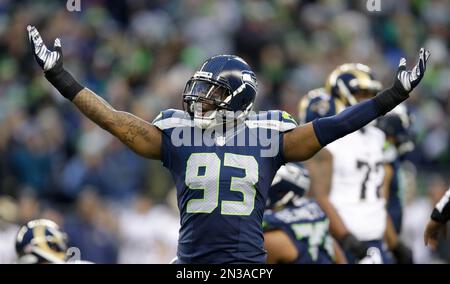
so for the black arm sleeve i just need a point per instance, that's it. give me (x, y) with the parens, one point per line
(441, 212)
(329, 129)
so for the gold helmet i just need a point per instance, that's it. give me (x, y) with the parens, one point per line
(41, 241)
(349, 79)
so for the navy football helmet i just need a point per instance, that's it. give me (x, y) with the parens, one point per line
(41, 241)
(350, 79)
(222, 90)
(292, 180)
(397, 124)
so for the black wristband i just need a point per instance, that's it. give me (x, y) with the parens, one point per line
(350, 243)
(438, 217)
(388, 99)
(64, 82)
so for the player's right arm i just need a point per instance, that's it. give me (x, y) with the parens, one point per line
(401, 252)
(320, 171)
(279, 247)
(139, 135)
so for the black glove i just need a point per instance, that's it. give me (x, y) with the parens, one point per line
(52, 64)
(373, 256)
(441, 212)
(352, 244)
(405, 82)
(402, 254)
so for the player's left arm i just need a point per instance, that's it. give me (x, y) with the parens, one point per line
(432, 232)
(304, 141)
(437, 224)
(279, 247)
(388, 176)
(401, 252)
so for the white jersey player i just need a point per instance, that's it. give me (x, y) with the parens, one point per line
(358, 173)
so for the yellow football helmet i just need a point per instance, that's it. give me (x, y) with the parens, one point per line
(350, 79)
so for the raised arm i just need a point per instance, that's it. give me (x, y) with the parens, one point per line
(304, 141)
(140, 136)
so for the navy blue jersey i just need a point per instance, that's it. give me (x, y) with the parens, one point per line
(307, 226)
(222, 179)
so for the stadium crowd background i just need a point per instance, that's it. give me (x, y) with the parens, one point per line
(120, 208)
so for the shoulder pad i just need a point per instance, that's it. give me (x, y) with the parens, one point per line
(172, 118)
(274, 119)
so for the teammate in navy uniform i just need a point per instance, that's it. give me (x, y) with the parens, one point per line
(396, 126)
(295, 227)
(221, 187)
(399, 141)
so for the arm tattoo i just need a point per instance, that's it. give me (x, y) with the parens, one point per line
(125, 126)
(133, 129)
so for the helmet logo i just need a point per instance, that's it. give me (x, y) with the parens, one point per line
(249, 78)
(203, 74)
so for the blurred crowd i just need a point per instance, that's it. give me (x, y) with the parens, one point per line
(137, 54)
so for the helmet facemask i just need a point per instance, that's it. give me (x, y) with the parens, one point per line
(222, 92)
(207, 102)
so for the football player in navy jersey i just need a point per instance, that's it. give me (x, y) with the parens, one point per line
(396, 126)
(221, 157)
(295, 227)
